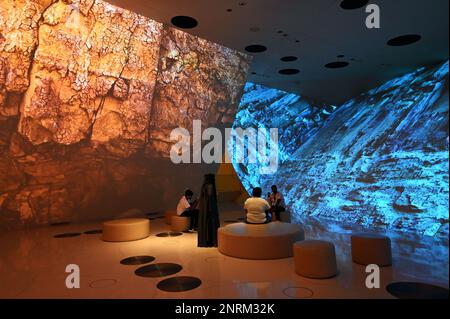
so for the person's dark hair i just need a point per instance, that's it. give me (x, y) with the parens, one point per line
(274, 186)
(257, 191)
(188, 192)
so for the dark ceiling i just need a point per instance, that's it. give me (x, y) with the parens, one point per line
(317, 33)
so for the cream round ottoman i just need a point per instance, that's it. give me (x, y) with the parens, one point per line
(179, 223)
(315, 259)
(265, 241)
(168, 215)
(126, 229)
(371, 249)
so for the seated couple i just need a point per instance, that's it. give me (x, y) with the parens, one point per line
(187, 207)
(258, 209)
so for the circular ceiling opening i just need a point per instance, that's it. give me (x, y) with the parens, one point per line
(336, 65)
(289, 58)
(289, 71)
(404, 40)
(340, 56)
(255, 48)
(353, 4)
(184, 22)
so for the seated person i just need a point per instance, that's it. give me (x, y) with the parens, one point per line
(187, 208)
(276, 202)
(256, 208)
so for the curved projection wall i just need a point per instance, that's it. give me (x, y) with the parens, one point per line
(89, 94)
(380, 159)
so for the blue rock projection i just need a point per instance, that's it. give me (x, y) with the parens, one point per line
(379, 160)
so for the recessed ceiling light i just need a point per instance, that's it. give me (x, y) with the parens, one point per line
(255, 48)
(340, 56)
(184, 22)
(336, 65)
(353, 4)
(289, 71)
(404, 40)
(255, 29)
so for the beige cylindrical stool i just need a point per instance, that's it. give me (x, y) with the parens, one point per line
(265, 241)
(371, 249)
(126, 229)
(168, 215)
(315, 259)
(179, 223)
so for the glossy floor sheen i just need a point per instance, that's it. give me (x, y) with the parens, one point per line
(33, 263)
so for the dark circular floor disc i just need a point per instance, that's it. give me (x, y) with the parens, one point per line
(66, 235)
(158, 270)
(169, 234)
(416, 290)
(137, 260)
(179, 284)
(93, 232)
(59, 223)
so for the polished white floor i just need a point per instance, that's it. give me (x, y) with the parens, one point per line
(33, 263)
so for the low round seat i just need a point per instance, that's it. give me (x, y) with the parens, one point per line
(179, 223)
(265, 241)
(315, 259)
(168, 215)
(371, 249)
(126, 229)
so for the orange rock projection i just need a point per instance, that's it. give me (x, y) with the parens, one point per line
(88, 96)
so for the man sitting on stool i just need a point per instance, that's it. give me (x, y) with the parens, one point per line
(256, 208)
(276, 202)
(187, 208)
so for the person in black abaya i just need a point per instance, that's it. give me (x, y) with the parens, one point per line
(208, 218)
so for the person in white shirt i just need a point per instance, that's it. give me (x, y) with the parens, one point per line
(188, 208)
(276, 202)
(256, 208)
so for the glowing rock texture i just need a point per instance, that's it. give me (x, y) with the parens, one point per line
(380, 159)
(88, 96)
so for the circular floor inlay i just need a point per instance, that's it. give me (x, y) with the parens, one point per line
(179, 284)
(184, 22)
(137, 260)
(158, 270)
(102, 283)
(93, 232)
(416, 290)
(59, 223)
(169, 234)
(298, 292)
(66, 235)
